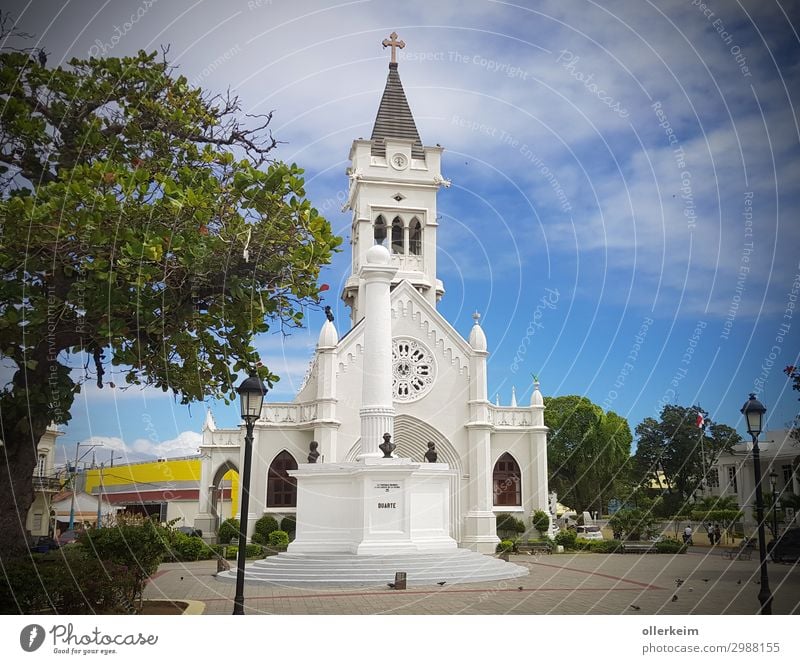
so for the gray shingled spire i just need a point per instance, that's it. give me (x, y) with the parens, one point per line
(394, 119)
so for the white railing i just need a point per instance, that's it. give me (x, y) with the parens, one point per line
(289, 413)
(502, 416)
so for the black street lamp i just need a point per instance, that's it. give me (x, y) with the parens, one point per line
(773, 482)
(754, 410)
(251, 397)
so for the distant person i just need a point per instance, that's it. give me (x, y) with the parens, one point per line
(717, 534)
(687, 535)
(710, 532)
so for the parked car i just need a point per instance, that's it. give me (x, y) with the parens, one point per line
(43, 544)
(67, 537)
(589, 532)
(787, 547)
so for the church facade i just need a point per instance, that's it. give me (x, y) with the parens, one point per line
(439, 377)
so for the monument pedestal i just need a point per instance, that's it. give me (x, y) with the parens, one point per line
(374, 507)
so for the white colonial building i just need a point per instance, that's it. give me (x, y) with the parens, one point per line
(438, 376)
(733, 474)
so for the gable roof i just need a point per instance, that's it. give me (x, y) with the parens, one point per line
(394, 119)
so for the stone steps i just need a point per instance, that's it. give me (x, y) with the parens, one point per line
(459, 566)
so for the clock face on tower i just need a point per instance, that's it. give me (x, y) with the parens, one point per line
(399, 161)
(413, 369)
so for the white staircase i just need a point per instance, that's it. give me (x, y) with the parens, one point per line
(335, 569)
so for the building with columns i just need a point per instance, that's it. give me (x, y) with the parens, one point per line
(421, 380)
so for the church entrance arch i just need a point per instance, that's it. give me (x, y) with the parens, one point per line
(220, 496)
(412, 435)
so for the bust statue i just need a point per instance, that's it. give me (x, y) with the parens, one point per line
(313, 454)
(387, 446)
(431, 455)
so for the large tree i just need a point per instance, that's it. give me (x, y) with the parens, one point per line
(587, 451)
(675, 452)
(146, 227)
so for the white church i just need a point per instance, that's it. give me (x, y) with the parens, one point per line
(400, 369)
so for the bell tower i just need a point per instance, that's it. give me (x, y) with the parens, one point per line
(394, 181)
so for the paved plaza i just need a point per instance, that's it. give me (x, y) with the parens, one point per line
(701, 582)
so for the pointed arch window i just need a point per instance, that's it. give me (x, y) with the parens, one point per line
(281, 488)
(380, 230)
(506, 482)
(415, 237)
(397, 236)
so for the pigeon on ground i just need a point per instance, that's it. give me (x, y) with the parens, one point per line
(739, 582)
(391, 585)
(679, 582)
(704, 580)
(440, 583)
(636, 608)
(520, 588)
(674, 598)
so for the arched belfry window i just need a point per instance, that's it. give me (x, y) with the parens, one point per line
(506, 482)
(380, 230)
(397, 236)
(281, 488)
(415, 237)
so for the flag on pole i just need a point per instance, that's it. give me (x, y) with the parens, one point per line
(700, 421)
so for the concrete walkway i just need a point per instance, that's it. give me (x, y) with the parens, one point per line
(560, 584)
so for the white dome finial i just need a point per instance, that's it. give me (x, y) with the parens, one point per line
(513, 397)
(477, 339)
(536, 397)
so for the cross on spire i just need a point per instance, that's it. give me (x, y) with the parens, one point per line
(392, 41)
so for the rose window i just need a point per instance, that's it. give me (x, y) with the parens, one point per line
(412, 369)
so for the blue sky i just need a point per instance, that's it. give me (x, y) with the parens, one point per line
(624, 207)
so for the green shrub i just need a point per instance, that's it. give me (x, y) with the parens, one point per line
(634, 524)
(670, 546)
(605, 546)
(508, 523)
(289, 525)
(505, 546)
(186, 548)
(69, 581)
(231, 552)
(541, 521)
(264, 526)
(566, 538)
(278, 539)
(228, 531)
(137, 542)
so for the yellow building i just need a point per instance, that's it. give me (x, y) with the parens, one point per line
(167, 488)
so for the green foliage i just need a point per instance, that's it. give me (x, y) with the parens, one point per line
(228, 531)
(231, 552)
(541, 521)
(145, 226)
(508, 523)
(604, 546)
(185, 548)
(671, 546)
(278, 539)
(674, 445)
(634, 524)
(70, 581)
(587, 451)
(289, 525)
(566, 538)
(505, 546)
(264, 526)
(138, 543)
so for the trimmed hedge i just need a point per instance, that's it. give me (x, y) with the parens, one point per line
(289, 525)
(264, 526)
(505, 545)
(670, 546)
(252, 551)
(69, 581)
(228, 530)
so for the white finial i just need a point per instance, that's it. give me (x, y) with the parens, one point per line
(513, 397)
(209, 423)
(496, 399)
(476, 317)
(536, 396)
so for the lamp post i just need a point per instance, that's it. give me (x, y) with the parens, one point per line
(773, 482)
(754, 410)
(75, 479)
(251, 397)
